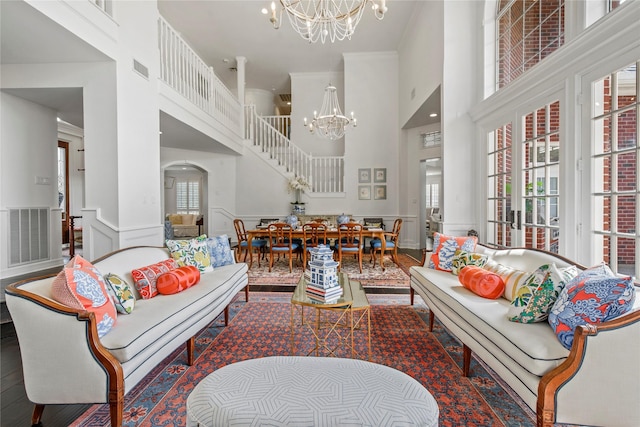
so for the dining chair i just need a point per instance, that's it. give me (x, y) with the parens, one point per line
(281, 242)
(258, 245)
(392, 240)
(313, 234)
(349, 242)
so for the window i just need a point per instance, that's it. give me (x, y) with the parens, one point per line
(188, 196)
(499, 209)
(614, 159)
(527, 32)
(523, 187)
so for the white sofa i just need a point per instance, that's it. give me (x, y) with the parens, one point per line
(597, 382)
(65, 362)
(185, 225)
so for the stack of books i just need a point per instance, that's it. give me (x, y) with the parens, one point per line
(322, 295)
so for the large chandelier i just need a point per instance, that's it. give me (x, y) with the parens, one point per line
(318, 19)
(330, 123)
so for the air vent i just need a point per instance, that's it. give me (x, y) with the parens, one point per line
(141, 69)
(28, 235)
(285, 97)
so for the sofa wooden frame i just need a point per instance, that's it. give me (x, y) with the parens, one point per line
(552, 382)
(109, 363)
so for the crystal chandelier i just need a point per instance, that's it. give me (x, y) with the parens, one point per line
(330, 123)
(318, 19)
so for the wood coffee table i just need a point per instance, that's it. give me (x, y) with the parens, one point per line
(334, 324)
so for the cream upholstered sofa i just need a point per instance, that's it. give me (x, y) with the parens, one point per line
(184, 225)
(64, 361)
(597, 382)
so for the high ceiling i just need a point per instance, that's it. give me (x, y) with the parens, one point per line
(219, 31)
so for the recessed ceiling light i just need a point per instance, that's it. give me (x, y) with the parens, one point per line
(288, 102)
(264, 11)
(433, 115)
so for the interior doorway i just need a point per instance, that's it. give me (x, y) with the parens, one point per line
(63, 189)
(186, 192)
(430, 200)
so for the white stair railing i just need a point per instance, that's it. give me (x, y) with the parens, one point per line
(182, 69)
(324, 173)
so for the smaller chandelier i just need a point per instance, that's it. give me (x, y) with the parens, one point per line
(318, 19)
(330, 123)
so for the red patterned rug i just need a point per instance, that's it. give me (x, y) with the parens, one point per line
(392, 277)
(400, 339)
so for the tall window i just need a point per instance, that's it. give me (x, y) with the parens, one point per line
(528, 31)
(499, 211)
(540, 172)
(188, 196)
(615, 169)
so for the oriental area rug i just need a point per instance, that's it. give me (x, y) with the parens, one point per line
(261, 327)
(371, 277)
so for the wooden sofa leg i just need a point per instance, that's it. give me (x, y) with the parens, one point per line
(246, 293)
(466, 360)
(37, 415)
(115, 409)
(411, 295)
(191, 345)
(226, 316)
(432, 318)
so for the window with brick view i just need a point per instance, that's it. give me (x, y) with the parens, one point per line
(528, 31)
(499, 187)
(615, 154)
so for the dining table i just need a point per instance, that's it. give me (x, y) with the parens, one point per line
(332, 233)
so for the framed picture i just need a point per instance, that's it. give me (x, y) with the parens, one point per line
(380, 175)
(364, 175)
(364, 192)
(380, 192)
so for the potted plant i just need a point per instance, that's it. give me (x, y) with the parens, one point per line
(298, 184)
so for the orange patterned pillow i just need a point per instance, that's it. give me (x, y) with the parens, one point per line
(145, 278)
(481, 282)
(178, 280)
(80, 285)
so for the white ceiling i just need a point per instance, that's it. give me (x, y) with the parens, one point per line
(216, 30)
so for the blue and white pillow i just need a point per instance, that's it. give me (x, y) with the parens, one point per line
(220, 251)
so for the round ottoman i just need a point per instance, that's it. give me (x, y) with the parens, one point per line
(309, 391)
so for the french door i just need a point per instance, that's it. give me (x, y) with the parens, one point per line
(523, 189)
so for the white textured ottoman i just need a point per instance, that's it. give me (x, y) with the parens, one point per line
(310, 391)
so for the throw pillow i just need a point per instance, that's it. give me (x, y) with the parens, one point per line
(220, 251)
(191, 252)
(175, 219)
(536, 295)
(463, 258)
(444, 248)
(512, 277)
(145, 278)
(594, 296)
(120, 290)
(178, 280)
(481, 282)
(80, 285)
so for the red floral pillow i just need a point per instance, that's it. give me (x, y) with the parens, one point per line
(481, 282)
(80, 285)
(178, 280)
(145, 278)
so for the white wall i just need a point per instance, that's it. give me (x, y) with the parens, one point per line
(421, 54)
(262, 99)
(28, 149)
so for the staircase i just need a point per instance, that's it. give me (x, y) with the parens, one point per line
(268, 135)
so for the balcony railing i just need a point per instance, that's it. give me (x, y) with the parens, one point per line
(182, 69)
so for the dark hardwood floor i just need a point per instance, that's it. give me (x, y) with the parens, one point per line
(16, 409)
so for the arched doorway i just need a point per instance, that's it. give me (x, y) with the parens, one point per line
(185, 193)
